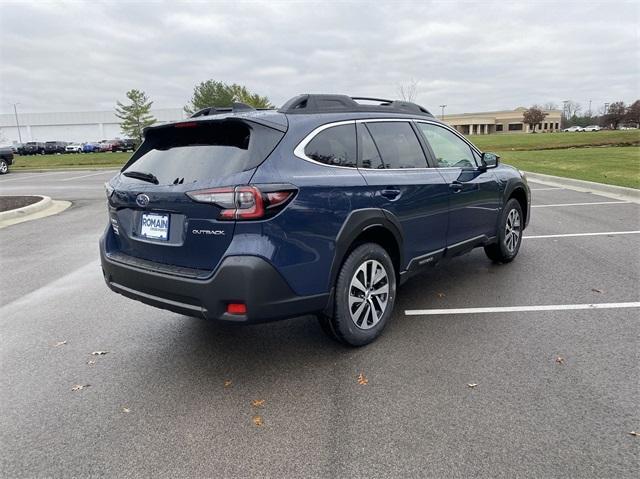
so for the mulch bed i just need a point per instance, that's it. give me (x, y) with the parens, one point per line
(12, 202)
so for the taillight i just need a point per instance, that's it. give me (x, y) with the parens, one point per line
(243, 202)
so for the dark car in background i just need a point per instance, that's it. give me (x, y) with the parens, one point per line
(126, 144)
(53, 147)
(34, 148)
(323, 207)
(6, 159)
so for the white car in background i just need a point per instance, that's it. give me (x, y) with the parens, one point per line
(592, 128)
(574, 128)
(73, 148)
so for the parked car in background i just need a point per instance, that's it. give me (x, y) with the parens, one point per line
(6, 159)
(53, 147)
(322, 207)
(19, 149)
(574, 128)
(34, 148)
(592, 128)
(90, 147)
(73, 148)
(105, 146)
(126, 144)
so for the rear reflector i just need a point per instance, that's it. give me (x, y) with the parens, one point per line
(236, 308)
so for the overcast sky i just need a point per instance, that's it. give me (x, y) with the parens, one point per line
(472, 56)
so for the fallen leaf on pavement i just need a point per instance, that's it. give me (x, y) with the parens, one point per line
(91, 362)
(471, 385)
(227, 383)
(257, 402)
(596, 290)
(79, 387)
(99, 353)
(257, 420)
(560, 360)
(60, 343)
(126, 410)
(362, 380)
(634, 433)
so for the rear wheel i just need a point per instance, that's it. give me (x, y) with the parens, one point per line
(509, 234)
(365, 296)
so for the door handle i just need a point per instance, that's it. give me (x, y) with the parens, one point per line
(390, 194)
(456, 186)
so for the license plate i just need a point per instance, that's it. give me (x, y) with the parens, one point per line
(155, 226)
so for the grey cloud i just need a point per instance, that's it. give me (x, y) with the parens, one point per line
(471, 56)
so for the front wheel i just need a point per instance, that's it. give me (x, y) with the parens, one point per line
(4, 167)
(509, 234)
(365, 296)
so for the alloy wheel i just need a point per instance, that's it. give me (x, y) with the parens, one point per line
(368, 294)
(512, 231)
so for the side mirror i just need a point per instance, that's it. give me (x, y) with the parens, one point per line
(490, 160)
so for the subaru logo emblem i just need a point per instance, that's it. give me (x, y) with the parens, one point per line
(142, 200)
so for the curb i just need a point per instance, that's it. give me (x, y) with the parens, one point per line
(44, 203)
(611, 191)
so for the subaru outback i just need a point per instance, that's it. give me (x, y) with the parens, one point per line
(324, 206)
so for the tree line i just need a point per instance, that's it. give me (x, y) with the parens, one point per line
(136, 114)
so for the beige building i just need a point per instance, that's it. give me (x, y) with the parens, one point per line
(510, 121)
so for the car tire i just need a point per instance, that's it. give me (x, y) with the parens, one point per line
(365, 296)
(4, 167)
(509, 234)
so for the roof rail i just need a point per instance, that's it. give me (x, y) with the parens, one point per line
(321, 103)
(235, 107)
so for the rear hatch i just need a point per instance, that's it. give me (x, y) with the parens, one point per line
(151, 214)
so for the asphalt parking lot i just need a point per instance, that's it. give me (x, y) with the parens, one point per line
(556, 390)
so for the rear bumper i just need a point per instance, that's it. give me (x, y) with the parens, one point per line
(239, 279)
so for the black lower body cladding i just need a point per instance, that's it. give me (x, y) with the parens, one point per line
(239, 279)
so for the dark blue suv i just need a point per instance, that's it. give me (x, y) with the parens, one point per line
(321, 207)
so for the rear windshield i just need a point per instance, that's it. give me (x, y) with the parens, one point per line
(203, 150)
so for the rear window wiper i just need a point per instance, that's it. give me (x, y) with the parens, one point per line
(140, 175)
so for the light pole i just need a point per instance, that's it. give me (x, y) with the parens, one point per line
(15, 110)
(443, 107)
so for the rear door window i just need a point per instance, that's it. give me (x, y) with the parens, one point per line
(369, 156)
(335, 146)
(199, 151)
(397, 144)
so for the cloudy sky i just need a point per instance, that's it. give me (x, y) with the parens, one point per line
(472, 56)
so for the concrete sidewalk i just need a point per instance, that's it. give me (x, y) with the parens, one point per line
(610, 191)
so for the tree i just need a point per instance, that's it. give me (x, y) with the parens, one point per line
(408, 92)
(135, 116)
(550, 105)
(615, 114)
(215, 93)
(633, 113)
(533, 116)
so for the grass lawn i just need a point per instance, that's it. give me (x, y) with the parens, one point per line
(544, 141)
(83, 160)
(612, 165)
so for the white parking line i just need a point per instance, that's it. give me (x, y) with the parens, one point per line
(569, 235)
(29, 176)
(583, 204)
(520, 309)
(545, 189)
(87, 176)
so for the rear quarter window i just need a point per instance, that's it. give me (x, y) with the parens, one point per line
(335, 146)
(199, 151)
